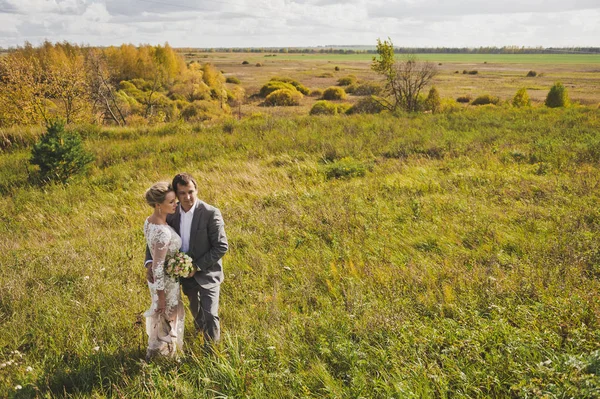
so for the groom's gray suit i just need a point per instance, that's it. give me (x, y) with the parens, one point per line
(208, 244)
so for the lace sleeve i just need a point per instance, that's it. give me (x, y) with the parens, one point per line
(160, 245)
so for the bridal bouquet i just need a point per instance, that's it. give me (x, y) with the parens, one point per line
(179, 265)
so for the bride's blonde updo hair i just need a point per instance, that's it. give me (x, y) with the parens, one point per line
(157, 193)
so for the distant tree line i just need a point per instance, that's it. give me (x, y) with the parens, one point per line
(117, 85)
(398, 50)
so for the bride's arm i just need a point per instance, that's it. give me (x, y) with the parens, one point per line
(159, 249)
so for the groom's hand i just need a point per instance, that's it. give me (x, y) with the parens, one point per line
(149, 274)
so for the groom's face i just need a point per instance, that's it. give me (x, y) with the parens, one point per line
(186, 195)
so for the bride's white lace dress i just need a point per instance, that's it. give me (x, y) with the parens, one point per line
(165, 331)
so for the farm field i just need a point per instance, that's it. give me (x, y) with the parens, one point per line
(377, 256)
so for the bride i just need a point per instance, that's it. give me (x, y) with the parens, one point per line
(164, 319)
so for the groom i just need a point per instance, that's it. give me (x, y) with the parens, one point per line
(203, 238)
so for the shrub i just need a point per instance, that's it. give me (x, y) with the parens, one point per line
(486, 99)
(366, 89)
(347, 80)
(258, 64)
(245, 63)
(345, 168)
(199, 111)
(283, 97)
(366, 105)
(557, 96)
(337, 68)
(531, 74)
(274, 85)
(299, 86)
(449, 105)
(473, 72)
(59, 154)
(334, 93)
(316, 93)
(433, 102)
(325, 107)
(464, 99)
(326, 75)
(521, 99)
(233, 79)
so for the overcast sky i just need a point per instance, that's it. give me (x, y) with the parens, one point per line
(296, 23)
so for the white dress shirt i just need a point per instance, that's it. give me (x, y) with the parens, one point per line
(185, 226)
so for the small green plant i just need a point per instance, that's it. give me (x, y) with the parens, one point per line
(299, 86)
(275, 85)
(334, 93)
(347, 80)
(283, 97)
(324, 107)
(366, 89)
(59, 154)
(557, 96)
(345, 168)
(433, 102)
(521, 99)
(367, 105)
(486, 99)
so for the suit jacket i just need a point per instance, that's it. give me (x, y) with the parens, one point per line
(208, 243)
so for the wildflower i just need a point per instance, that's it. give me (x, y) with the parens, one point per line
(2, 365)
(96, 348)
(86, 277)
(29, 369)
(289, 269)
(18, 387)
(271, 348)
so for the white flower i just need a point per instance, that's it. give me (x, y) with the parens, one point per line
(271, 348)
(2, 365)
(289, 269)
(86, 277)
(96, 348)
(29, 369)
(18, 387)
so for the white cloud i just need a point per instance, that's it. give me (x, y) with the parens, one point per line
(281, 23)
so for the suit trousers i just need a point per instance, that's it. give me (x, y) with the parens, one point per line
(204, 304)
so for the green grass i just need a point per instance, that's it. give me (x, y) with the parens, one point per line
(445, 255)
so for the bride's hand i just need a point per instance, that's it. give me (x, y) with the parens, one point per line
(192, 273)
(161, 305)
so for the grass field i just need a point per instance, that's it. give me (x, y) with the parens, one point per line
(411, 256)
(500, 75)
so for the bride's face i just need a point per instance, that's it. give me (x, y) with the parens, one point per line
(169, 205)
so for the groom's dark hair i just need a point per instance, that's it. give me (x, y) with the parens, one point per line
(184, 179)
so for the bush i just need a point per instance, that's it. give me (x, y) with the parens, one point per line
(521, 99)
(433, 102)
(324, 107)
(337, 68)
(464, 99)
(199, 111)
(557, 96)
(316, 93)
(347, 80)
(233, 79)
(275, 85)
(366, 105)
(531, 74)
(59, 154)
(258, 64)
(473, 72)
(366, 89)
(283, 97)
(345, 168)
(245, 63)
(486, 99)
(299, 86)
(334, 93)
(326, 75)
